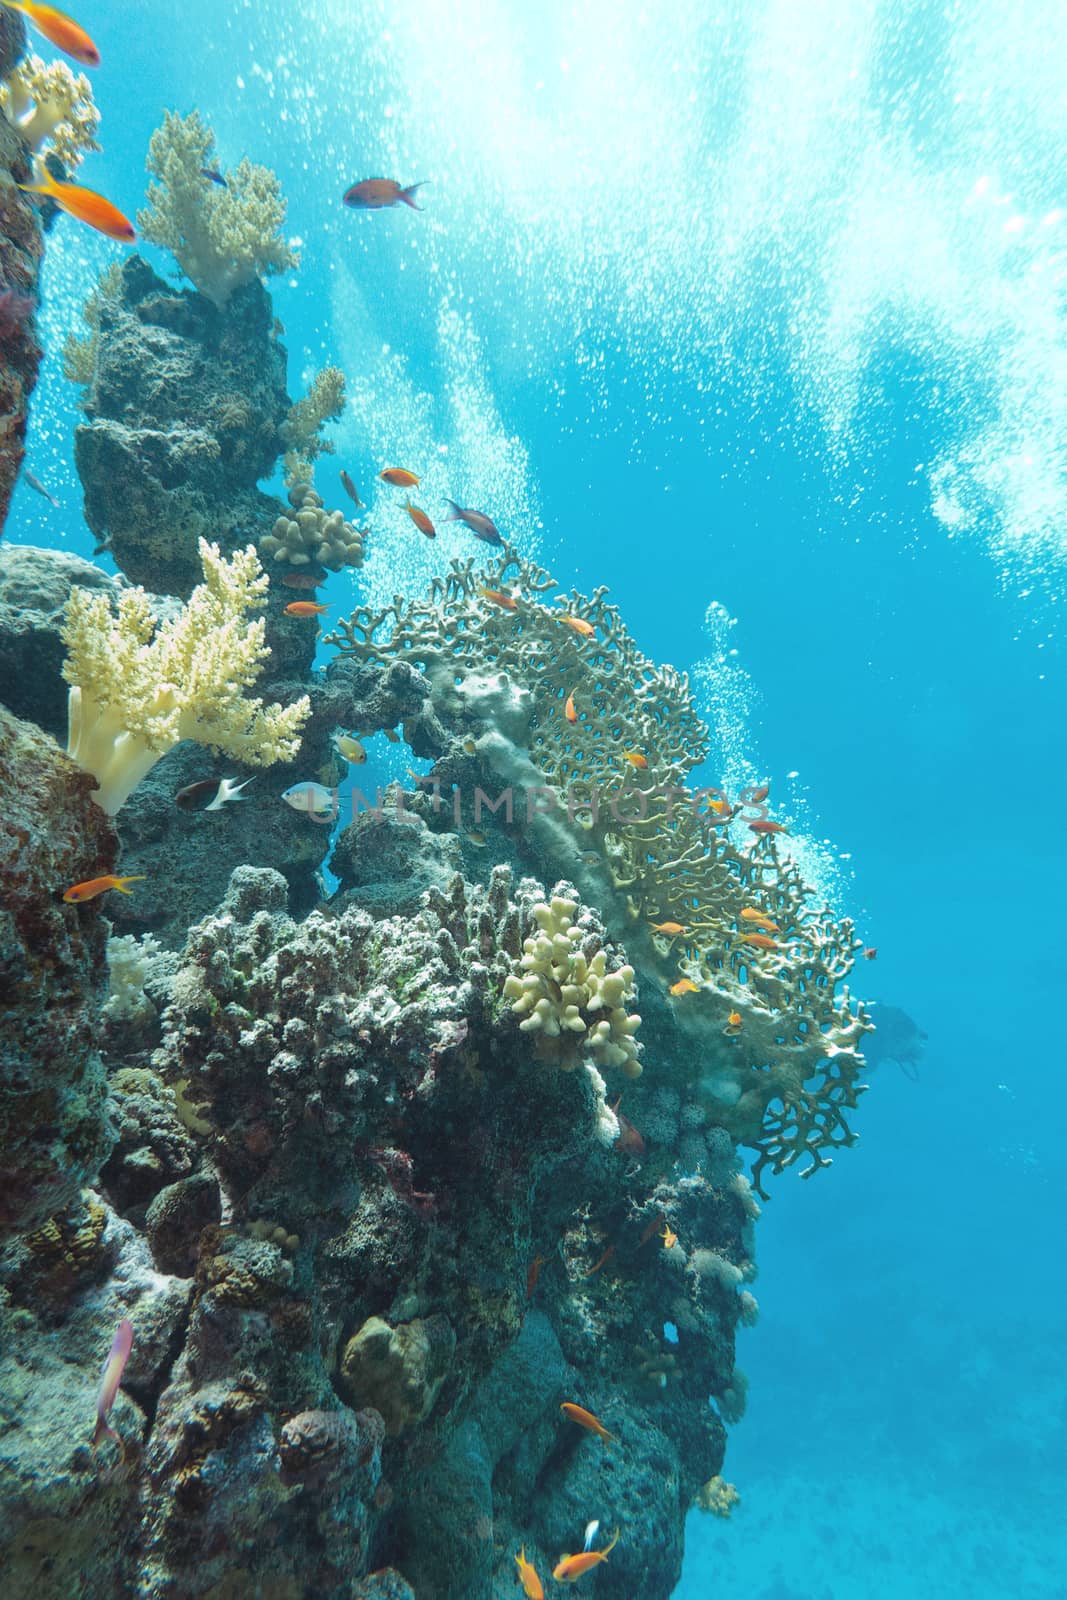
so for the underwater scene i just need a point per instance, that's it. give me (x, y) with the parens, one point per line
(532, 787)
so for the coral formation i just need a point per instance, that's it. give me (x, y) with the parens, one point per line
(399, 1371)
(50, 105)
(53, 1124)
(80, 354)
(311, 534)
(324, 402)
(137, 689)
(21, 248)
(184, 406)
(221, 237)
(783, 1078)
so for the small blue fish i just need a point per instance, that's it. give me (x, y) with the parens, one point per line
(214, 176)
(318, 802)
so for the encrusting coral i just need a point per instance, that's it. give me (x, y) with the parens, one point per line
(313, 534)
(573, 1005)
(50, 105)
(324, 402)
(781, 1079)
(220, 236)
(137, 689)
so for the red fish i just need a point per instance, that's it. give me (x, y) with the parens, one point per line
(421, 521)
(604, 1259)
(629, 1139)
(371, 194)
(568, 710)
(579, 625)
(870, 953)
(762, 941)
(84, 204)
(400, 478)
(94, 886)
(349, 488)
(533, 1272)
(58, 29)
(305, 608)
(763, 825)
(506, 602)
(301, 580)
(586, 1419)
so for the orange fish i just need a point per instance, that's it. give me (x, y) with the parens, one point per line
(421, 521)
(763, 825)
(371, 194)
(651, 1228)
(685, 986)
(305, 608)
(531, 1583)
(570, 1568)
(870, 953)
(756, 797)
(586, 1419)
(84, 204)
(533, 1272)
(718, 806)
(672, 928)
(58, 29)
(301, 580)
(760, 918)
(636, 759)
(629, 1138)
(762, 941)
(399, 477)
(94, 886)
(569, 711)
(605, 1258)
(507, 602)
(579, 624)
(734, 1019)
(669, 1238)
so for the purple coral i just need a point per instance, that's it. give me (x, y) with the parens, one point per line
(16, 308)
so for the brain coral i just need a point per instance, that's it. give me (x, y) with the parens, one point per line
(783, 1078)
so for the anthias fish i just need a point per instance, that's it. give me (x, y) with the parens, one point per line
(480, 525)
(685, 986)
(636, 759)
(570, 1568)
(371, 194)
(421, 520)
(568, 710)
(89, 890)
(400, 478)
(759, 919)
(301, 580)
(761, 941)
(579, 625)
(764, 825)
(110, 1379)
(670, 928)
(349, 488)
(210, 794)
(669, 1237)
(585, 1419)
(305, 608)
(85, 205)
(58, 29)
(531, 1583)
(506, 602)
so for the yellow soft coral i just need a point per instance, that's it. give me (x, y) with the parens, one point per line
(324, 402)
(136, 689)
(220, 237)
(49, 104)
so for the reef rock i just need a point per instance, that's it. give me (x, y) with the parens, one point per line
(53, 1128)
(21, 248)
(183, 417)
(34, 588)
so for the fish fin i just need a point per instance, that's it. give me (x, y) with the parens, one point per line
(406, 194)
(137, 877)
(457, 511)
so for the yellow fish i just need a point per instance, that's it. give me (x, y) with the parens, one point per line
(350, 748)
(531, 1583)
(673, 928)
(570, 1568)
(685, 986)
(669, 1238)
(586, 1419)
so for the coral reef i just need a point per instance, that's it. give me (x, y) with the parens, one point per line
(221, 237)
(311, 534)
(80, 354)
(53, 1126)
(50, 105)
(137, 689)
(324, 402)
(184, 406)
(782, 1078)
(21, 248)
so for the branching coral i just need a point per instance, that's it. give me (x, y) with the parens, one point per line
(221, 237)
(323, 403)
(51, 106)
(573, 1004)
(782, 1078)
(136, 689)
(79, 354)
(312, 534)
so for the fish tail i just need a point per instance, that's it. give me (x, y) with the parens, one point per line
(137, 877)
(406, 194)
(457, 514)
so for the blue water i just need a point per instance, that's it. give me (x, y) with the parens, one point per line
(756, 305)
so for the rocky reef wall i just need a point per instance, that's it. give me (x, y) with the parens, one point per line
(21, 248)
